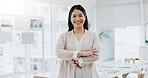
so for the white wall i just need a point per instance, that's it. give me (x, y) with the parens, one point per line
(58, 2)
(118, 13)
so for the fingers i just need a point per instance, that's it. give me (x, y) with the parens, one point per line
(77, 62)
(95, 54)
(72, 61)
(94, 50)
(90, 52)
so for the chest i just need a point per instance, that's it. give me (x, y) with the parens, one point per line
(78, 36)
(84, 42)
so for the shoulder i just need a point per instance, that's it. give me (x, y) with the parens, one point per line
(64, 34)
(91, 33)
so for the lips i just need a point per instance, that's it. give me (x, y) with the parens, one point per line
(78, 22)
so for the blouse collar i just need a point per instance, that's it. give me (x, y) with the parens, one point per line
(84, 31)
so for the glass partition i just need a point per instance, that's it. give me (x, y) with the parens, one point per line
(27, 41)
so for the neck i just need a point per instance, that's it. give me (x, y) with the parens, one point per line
(78, 30)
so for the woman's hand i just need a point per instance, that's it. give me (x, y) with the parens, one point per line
(72, 61)
(88, 53)
(76, 62)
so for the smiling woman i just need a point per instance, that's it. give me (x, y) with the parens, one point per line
(77, 18)
(16, 7)
(78, 48)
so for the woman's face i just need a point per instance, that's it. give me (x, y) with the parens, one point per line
(77, 18)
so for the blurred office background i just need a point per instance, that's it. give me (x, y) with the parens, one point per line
(29, 30)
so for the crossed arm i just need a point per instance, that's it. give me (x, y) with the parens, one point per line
(86, 57)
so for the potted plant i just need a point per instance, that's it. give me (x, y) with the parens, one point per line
(103, 35)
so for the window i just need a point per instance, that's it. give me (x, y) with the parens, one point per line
(127, 40)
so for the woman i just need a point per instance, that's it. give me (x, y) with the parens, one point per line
(78, 48)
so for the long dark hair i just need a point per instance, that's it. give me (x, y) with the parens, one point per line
(78, 7)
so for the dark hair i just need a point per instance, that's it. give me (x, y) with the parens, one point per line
(78, 7)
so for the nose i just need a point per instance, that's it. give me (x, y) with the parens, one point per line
(77, 18)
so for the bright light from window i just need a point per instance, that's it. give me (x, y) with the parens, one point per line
(12, 7)
(127, 41)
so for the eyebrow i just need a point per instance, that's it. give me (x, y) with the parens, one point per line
(79, 14)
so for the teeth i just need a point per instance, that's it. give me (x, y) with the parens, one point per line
(78, 22)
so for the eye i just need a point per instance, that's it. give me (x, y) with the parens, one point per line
(80, 15)
(73, 16)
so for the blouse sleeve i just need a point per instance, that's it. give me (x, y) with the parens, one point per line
(61, 52)
(90, 59)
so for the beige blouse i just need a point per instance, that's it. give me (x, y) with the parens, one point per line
(66, 48)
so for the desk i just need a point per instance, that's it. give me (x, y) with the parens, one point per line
(39, 77)
(113, 68)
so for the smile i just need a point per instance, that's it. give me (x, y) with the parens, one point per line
(78, 22)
